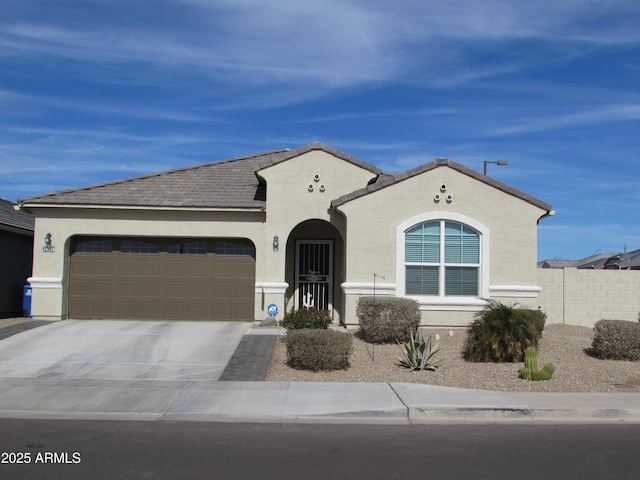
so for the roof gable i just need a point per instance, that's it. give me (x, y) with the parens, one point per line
(386, 180)
(325, 148)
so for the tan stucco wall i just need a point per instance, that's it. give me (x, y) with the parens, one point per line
(582, 297)
(511, 225)
(48, 299)
(290, 202)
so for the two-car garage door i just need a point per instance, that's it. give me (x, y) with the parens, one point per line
(161, 278)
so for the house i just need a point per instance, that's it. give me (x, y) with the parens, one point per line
(16, 247)
(593, 261)
(607, 261)
(623, 261)
(258, 235)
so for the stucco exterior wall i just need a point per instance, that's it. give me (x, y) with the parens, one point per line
(509, 238)
(298, 190)
(50, 276)
(582, 297)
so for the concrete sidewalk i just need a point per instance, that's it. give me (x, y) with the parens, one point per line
(198, 399)
(289, 402)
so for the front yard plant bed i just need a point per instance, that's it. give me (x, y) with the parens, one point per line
(567, 347)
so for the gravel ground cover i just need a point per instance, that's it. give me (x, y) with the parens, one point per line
(563, 345)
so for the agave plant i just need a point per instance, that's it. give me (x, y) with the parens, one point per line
(418, 353)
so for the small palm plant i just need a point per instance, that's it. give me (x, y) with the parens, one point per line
(418, 353)
(501, 333)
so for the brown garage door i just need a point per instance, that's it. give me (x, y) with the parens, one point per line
(149, 278)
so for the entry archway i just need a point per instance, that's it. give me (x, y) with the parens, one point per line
(315, 267)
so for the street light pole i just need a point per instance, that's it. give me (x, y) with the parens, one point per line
(498, 162)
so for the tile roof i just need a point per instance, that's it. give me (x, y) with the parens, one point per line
(386, 180)
(16, 221)
(609, 261)
(231, 183)
(624, 261)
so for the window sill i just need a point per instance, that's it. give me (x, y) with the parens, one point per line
(462, 304)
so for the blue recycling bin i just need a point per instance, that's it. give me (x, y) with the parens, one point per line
(26, 301)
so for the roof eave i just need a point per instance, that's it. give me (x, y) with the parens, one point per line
(20, 231)
(141, 207)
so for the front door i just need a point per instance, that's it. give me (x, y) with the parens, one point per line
(314, 274)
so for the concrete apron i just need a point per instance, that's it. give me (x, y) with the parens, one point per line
(121, 350)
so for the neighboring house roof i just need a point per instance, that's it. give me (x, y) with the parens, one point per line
(609, 261)
(387, 180)
(624, 261)
(15, 221)
(594, 261)
(231, 184)
(556, 263)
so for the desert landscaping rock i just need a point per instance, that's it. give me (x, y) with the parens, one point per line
(563, 345)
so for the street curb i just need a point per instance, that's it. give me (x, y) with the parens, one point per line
(420, 415)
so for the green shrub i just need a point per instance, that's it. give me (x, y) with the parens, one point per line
(501, 333)
(387, 319)
(616, 340)
(318, 349)
(418, 353)
(536, 317)
(306, 318)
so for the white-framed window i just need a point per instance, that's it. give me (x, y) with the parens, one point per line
(442, 261)
(442, 258)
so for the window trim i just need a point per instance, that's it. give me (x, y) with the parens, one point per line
(455, 302)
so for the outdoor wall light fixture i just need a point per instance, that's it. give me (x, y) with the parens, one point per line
(276, 243)
(498, 162)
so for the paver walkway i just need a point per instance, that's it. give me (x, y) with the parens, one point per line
(251, 359)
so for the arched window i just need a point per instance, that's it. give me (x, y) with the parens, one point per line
(442, 258)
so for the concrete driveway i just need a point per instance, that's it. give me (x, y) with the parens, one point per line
(122, 350)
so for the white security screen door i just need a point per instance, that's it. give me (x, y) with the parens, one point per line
(314, 274)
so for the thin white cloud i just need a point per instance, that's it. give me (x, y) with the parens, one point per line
(347, 116)
(598, 115)
(331, 44)
(15, 102)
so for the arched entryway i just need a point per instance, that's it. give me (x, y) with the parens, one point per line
(315, 267)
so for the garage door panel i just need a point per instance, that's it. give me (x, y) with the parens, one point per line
(149, 310)
(149, 288)
(126, 309)
(176, 289)
(103, 287)
(199, 283)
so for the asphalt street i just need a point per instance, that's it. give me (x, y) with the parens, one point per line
(202, 450)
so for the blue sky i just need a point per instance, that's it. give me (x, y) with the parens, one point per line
(93, 91)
